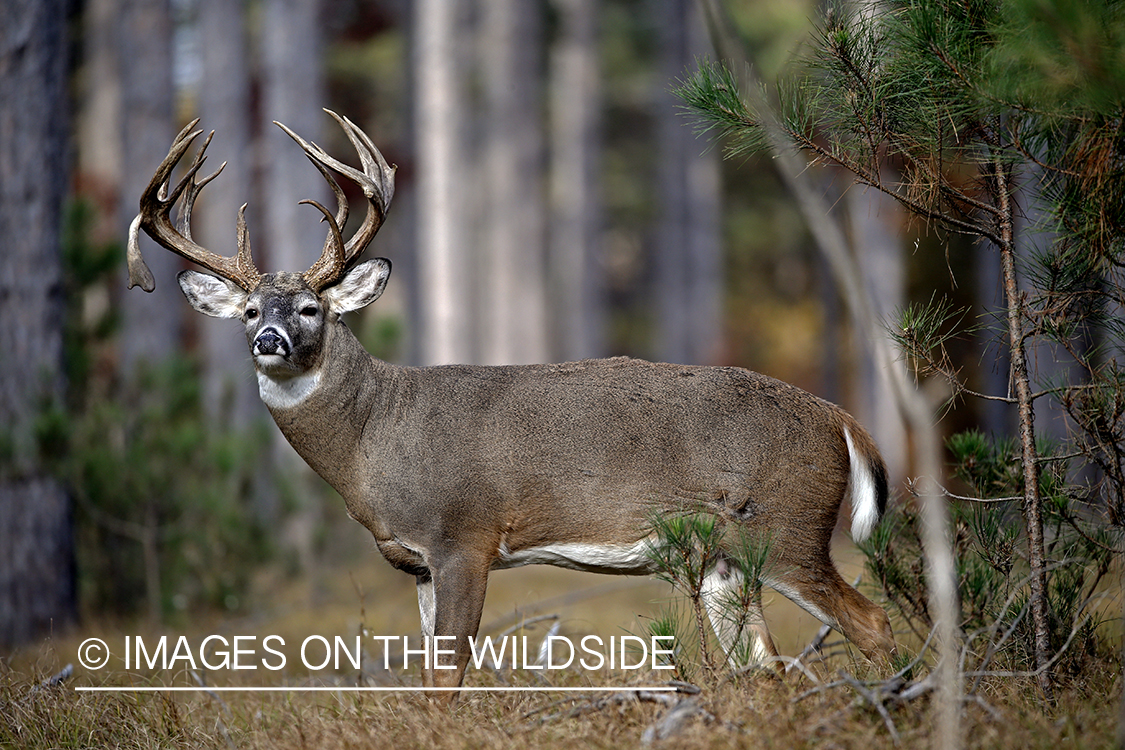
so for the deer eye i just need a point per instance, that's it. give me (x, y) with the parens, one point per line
(309, 311)
(251, 313)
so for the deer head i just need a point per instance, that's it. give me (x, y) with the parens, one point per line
(285, 314)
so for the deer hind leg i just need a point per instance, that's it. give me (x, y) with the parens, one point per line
(744, 636)
(825, 595)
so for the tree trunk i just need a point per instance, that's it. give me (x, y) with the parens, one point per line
(37, 589)
(150, 325)
(577, 314)
(876, 221)
(224, 106)
(439, 60)
(688, 261)
(514, 288)
(1029, 457)
(293, 93)
(98, 112)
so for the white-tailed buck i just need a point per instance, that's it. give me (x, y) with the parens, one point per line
(459, 470)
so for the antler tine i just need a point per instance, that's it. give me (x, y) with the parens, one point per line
(243, 261)
(333, 261)
(380, 185)
(156, 205)
(193, 188)
(376, 180)
(341, 199)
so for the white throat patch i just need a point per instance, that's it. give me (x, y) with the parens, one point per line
(286, 393)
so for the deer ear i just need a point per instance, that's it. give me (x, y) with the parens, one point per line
(363, 285)
(211, 295)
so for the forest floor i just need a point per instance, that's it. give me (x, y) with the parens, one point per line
(827, 708)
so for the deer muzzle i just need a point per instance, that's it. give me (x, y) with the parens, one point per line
(271, 342)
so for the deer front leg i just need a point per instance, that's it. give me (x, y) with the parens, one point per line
(450, 600)
(426, 604)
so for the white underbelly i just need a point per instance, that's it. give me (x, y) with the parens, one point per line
(596, 558)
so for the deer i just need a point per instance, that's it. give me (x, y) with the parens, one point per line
(459, 470)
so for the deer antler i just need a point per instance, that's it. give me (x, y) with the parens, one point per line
(378, 183)
(154, 217)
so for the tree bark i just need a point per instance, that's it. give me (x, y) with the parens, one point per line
(37, 589)
(293, 93)
(98, 112)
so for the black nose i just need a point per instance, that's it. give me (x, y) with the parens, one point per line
(269, 342)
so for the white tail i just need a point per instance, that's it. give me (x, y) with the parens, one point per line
(867, 490)
(460, 470)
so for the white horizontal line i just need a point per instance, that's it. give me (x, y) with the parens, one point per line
(327, 689)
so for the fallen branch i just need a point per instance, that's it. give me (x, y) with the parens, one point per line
(61, 676)
(218, 719)
(674, 721)
(591, 703)
(215, 696)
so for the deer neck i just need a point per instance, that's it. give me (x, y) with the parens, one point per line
(324, 411)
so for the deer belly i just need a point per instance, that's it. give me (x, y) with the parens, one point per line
(632, 559)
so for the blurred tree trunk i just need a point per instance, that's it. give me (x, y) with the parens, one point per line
(150, 325)
(439, 63)
(293, 93)
(514, 289)
(37, 589)
(688, 248)
(98, 112)
(876, 224)
(224, 106)
(577, 314)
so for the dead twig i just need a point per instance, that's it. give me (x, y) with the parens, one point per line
(524, 623)
(823, 687)
(874, 697)
(813, 647)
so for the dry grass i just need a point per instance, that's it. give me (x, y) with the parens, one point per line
(755, 711)
(759, 713)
